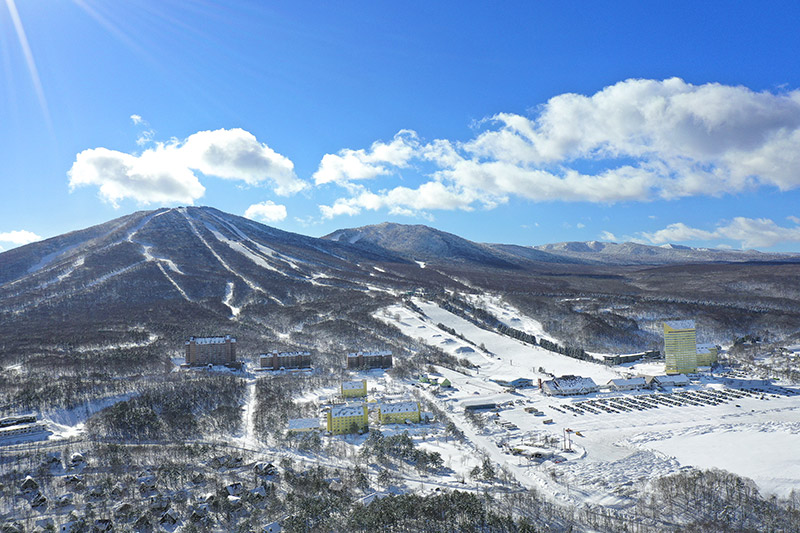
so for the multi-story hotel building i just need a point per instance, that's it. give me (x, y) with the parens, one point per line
(210, 350)
(285, 360)
(707, 354)
(680, 347)
(382, 359)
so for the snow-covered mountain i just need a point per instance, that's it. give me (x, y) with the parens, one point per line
(630, 253)
(146, 281)
(179, 272)
(422, 243)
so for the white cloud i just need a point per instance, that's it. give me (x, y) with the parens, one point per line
(646, 139)
(18, 237)
(580, 225)
(155, 176)
(237, 155)
(749, 232)
(678, 232)
(608, 236)
(411, 202)
(349, 165)
(166, 172)
(146, 135)
(792, 218)
(266, 212)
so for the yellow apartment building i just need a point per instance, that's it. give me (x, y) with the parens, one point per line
(399, 412)
(354, 389)
(347, 418)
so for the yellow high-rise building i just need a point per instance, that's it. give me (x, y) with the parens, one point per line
(680, 346)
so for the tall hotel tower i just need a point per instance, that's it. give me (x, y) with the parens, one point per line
(680, 346)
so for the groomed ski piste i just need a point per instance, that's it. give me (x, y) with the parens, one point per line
(617, 447)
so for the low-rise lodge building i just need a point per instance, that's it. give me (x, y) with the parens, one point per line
(515, 382)
(478, 405)
(285, 360)
(347, 419)
(211, 351)
(627, 384)
(619, 359)
(354, 389)
(569, 386)
(303, 425)
(670, 380)
(381, 359)
(399, 412)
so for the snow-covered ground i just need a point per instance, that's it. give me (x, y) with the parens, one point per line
(614, 453)
(508, 356)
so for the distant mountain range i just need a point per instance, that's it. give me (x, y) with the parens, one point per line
(423, 243)
(169, 273)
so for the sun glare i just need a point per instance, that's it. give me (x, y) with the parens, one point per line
(26, 50)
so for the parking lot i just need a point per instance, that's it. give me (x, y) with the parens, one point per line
(642, 402)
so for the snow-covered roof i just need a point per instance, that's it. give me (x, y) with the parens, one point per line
(380, 353)
(674, 379)
(353, 385)
(680, 324)
(338, 411)
(303, 423)
(507, 379)
(630, 382)
(284, 354)
(705, 347)
(567, 383)
(400, 407)
(210, 340)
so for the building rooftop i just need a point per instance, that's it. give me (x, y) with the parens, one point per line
(303, 423)
(352, 385)
(705, 347)
(284, 354)
(566, 383)
(211, 340)
(380, 353)
(400, 407)
(338, 411)
(624, 382)
(675, 379)
(680, 324)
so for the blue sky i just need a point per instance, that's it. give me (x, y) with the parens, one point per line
(514, 122)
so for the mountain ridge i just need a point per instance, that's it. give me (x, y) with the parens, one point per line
(408, 240)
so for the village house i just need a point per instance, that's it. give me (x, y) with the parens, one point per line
(211, 351)
(399, 412)
(347, 419)
(381, 359)
(354, 389)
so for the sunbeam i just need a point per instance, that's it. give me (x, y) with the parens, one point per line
(26, 49)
